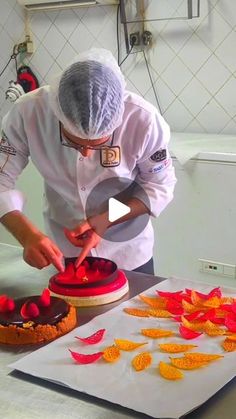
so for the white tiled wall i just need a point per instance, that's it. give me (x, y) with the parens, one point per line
(193, 62)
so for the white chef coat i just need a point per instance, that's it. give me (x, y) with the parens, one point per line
(30, 129)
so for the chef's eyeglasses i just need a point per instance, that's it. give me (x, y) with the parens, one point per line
(69, 143)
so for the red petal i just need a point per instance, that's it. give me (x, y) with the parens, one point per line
(44, 299)
(108, 267)
(233, 307)
(216, 292)
(174, 307)
(80, 272)
(95, 265)
(68, 273)
(85, 359)
(187, 333)
(230, 324)
(168, 294)
(193, 316)
(209, 315)
(85, 264)
(101, 264)
(226, 307)
(29, 310)
(95, 338)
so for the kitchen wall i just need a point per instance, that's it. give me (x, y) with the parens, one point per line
(193, 62)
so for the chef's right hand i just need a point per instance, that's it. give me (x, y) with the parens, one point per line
(40, 251)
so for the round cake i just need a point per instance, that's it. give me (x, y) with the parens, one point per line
(96, 281)
(35, 319)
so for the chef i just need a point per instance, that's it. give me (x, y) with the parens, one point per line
(82, 129)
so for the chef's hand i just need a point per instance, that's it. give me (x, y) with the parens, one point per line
(40, 251)
(87, 234)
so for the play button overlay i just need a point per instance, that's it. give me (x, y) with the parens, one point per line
(116, 210)
(112, 196)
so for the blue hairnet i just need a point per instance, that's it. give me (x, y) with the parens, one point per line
(88, 98)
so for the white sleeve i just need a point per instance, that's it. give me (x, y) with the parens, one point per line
(14, 155)
(156, 173)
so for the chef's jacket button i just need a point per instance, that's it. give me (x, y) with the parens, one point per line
(81, 159)
(83, 188)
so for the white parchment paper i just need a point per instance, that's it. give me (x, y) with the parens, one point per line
(144, 391)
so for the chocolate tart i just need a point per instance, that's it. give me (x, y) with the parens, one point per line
(53, 321)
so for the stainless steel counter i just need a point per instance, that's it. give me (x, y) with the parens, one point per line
(26, 397)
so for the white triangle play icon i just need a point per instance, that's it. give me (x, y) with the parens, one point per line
(116, 209)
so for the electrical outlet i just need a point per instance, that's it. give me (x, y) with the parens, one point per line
(147, 38)
(134, 38)
(217, 268)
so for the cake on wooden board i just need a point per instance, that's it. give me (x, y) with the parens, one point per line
(96, 281)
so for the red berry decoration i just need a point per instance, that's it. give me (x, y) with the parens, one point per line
(29, 310)
(44, 299)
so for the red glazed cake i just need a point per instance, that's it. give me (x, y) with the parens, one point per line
(97, 281)
(36, 319)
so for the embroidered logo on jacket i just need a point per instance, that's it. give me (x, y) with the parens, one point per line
(110, 156)
(159, 155)
(5, 146)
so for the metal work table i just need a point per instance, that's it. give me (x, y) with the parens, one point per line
(26, 397)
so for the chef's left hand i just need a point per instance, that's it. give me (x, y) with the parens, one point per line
(87, 235)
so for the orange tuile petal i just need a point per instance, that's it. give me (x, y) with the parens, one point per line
(229, 345)
(232, 337)
(196, 300)
(157, 333)
(196, 326)
(202, 357)
(137, 312)
(111, 354)
(128, 345)
(142, 361)
(163, 314)
(190, 308)
(226, 300)
(212, 329)
(169, 372)
(187, 364)
(154, 302)
(175, 347)
(213, 302)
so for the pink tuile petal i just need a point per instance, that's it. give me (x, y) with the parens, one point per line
(85, 358)
(187, 333)
(174, 307)
(230, 324)
(94, 338)
(193, 316)
(216, 292)
(209, 315)
(168, 294)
